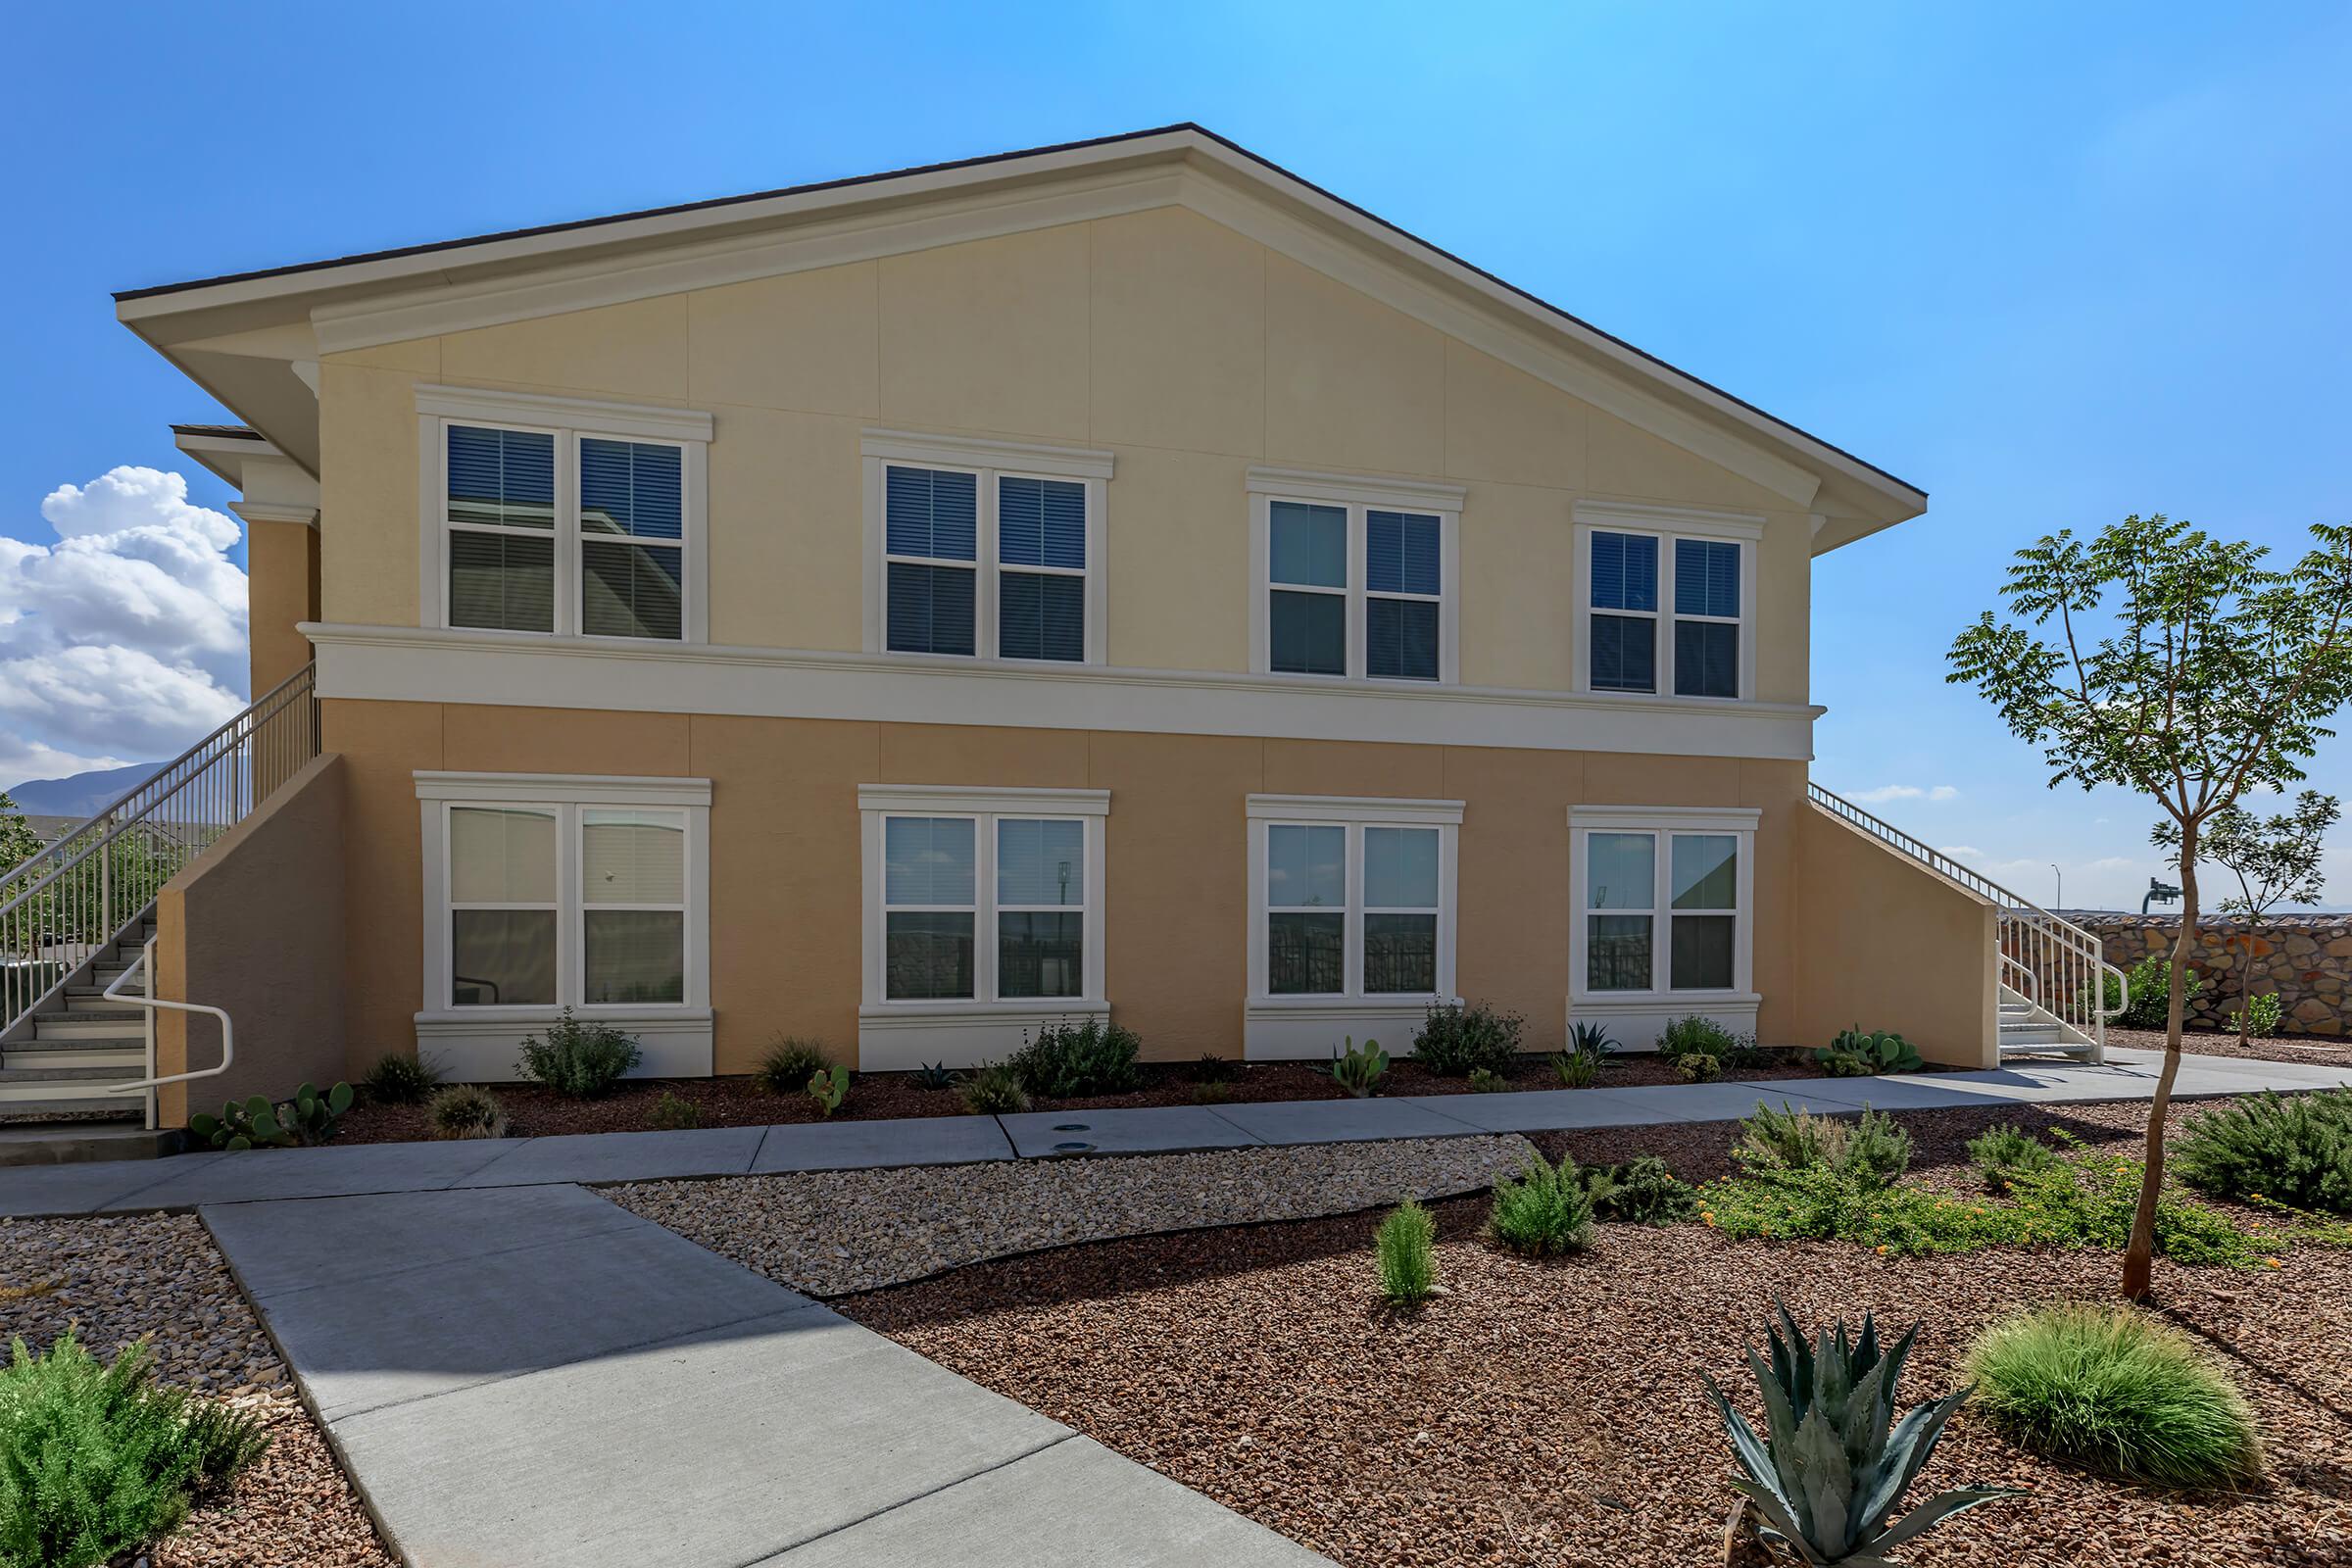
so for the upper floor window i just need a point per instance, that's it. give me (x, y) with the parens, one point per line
(550, 514)
(985, 550)
(1666, 612)
(1353, 578)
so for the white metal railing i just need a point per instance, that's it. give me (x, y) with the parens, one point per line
(144, 967)
(2050, 961)
(65, 905)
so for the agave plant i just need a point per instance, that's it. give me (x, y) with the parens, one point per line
(1835, 1462)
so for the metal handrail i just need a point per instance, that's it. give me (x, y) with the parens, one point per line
(144, 966)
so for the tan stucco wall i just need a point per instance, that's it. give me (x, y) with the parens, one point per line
(1887, 944)
(1186, 349)
(786, 892)
(281, 586)
(256, 927)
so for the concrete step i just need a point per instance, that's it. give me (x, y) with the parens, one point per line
(113, 1023)
(63, 1143)
(90, 999)
(62, 1101)
(77, 1054)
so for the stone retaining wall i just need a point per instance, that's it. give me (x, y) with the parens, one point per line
(2307, 958)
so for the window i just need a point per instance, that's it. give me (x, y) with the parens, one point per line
(985, 550)
(1354, 577)
(1354, 899)
(502, 904)
(1665, 895)
(984, 898)
(1666, 612)
(551, 514)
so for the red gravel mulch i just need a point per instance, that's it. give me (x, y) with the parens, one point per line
(1550, 1413)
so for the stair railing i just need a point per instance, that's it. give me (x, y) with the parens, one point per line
(144, 967)
(67, 903)
(2049, 961)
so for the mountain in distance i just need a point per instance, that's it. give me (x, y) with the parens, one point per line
(80, 795)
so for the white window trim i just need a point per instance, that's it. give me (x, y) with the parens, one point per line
(1357, 495)
(567, 421)
(1665, 525)
(967, 1031)
(481, 1042)
(1312, 1027)
(1663, 822)
(987, 461)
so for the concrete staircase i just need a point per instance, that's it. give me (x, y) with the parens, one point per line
(2030, 1030)
(77, 1043)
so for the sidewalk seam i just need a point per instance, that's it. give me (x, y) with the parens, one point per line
(890, 1508)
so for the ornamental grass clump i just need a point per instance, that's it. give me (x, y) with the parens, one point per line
(466, 1110)
(97, 1460)
(2115, 1391)
(2296, 1152)
(1546, 1212)
(401, 1078)
(790, 1061)
(1871, 1153)
(995, 1091)
(1406, 1248)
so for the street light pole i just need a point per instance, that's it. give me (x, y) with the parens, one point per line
(2061, 876)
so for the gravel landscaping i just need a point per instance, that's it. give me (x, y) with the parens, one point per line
(833, 1232)
(1548, 1413)
(2308, 1048)
(115, 1279)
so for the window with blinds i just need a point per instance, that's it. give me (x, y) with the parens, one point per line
(1664, 614)
(981, 564)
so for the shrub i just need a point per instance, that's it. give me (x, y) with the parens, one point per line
(1696, 1066)
(1359, 1068)
(1406, 1247)
(2293, 1152)
(1455, 1041)
(1873, 1152)
(1589, 1048)
(1065, 1059)
(670, 1113)
(2262, 1014)
(1212, 1068)
(96, 1460)
(1643, 1190)
(466, 1110)
(1214, 1092)
(829, 1088)
(2005, 1154)
(401, 1078)
(790, 1061)
(2116, 1390)
(580, 1058)
(2149, 991)
(1546, 1212)
(1484, 1082)
(995, 1091)
(1744, 1055)
(1694, 1032)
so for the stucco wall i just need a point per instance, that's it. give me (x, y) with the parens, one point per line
(1888, 944)
(1186, 349)
(281, 582)
(786, 895)
(256, 927)
(2305, 959)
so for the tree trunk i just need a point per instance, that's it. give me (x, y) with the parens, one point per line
(2140, 1257)
(2245, 984)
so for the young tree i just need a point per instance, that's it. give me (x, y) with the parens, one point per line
(2276, 860)
(2212, 674)
(18, 842)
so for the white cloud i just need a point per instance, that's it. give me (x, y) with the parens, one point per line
(1959, 850)
(123, 638)
(1883, 793)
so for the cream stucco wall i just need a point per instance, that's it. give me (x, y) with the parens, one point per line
(1185, 348)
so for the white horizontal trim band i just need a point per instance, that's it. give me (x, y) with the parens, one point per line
(570, 789)
(1667, 520)
(1020, 1011)
(1365, 489)
(581, 414)
(958, 797)
(1671, 818)
(492, 1020)
(1352, 808)
(974, 452)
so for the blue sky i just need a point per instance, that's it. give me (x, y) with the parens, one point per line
(2053, 263)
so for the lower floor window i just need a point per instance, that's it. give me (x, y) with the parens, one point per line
(1662, 909)
(1355, 907)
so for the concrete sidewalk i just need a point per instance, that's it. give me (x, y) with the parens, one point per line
(529, 1375)
(189, 1181)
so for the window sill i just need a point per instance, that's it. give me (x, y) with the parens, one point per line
(894, 1036)
(1317, 1028)
(482, 1045)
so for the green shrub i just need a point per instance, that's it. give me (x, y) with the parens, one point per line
(1406, 1247)
(94, 1461)
(2263, 1015)
(1546, 1212)
(1067, 1059)
(1358, 1069)
(1589, 1048)
(1212, 1068)
(2294, 1152)
(466, 1110)
(1696, 1066)
(1455, 1041)
(670, 1113)
(1214, 1092)
(995, 1091)
(2150, 992)
(2004, 1153)
(1873, 1152)
(935, 1075)
(1745, 1054)
(579, 1057)
(830, 1087)
(1695, 1033)
(1643, 1190)
(790, 1061)
(401, 1078)
(1856, 1053)
(1484, 1082)
(2116, 1390)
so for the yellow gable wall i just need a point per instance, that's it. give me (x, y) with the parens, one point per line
(1186, 349)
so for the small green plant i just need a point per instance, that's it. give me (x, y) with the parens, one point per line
(2294, 1152)
(1643, 1190)
(1456, 1040)
(830, 1087)
(1066, 1060)
(466, 1110)
(1696, 1066)
(1485, 1082)
(1589, 1048)
(995, 1091)
(1358, 1069)
(2005, 1154)
(786, 1067)
(402, 1078)
(1546, 1212)
(2118, 1392)
(1873, 1152)
(2261, 1015)
(672, 1113)
(1855, 1053)
(96, 1460)
(582, 1058)
(306, 1120)
(1214, 1092)
(1406, 1247)
(1833, 1462)
(935, 1075)
(1696, 1048)
(1745, 1055)
(2147, 992)
(1212, 1068)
